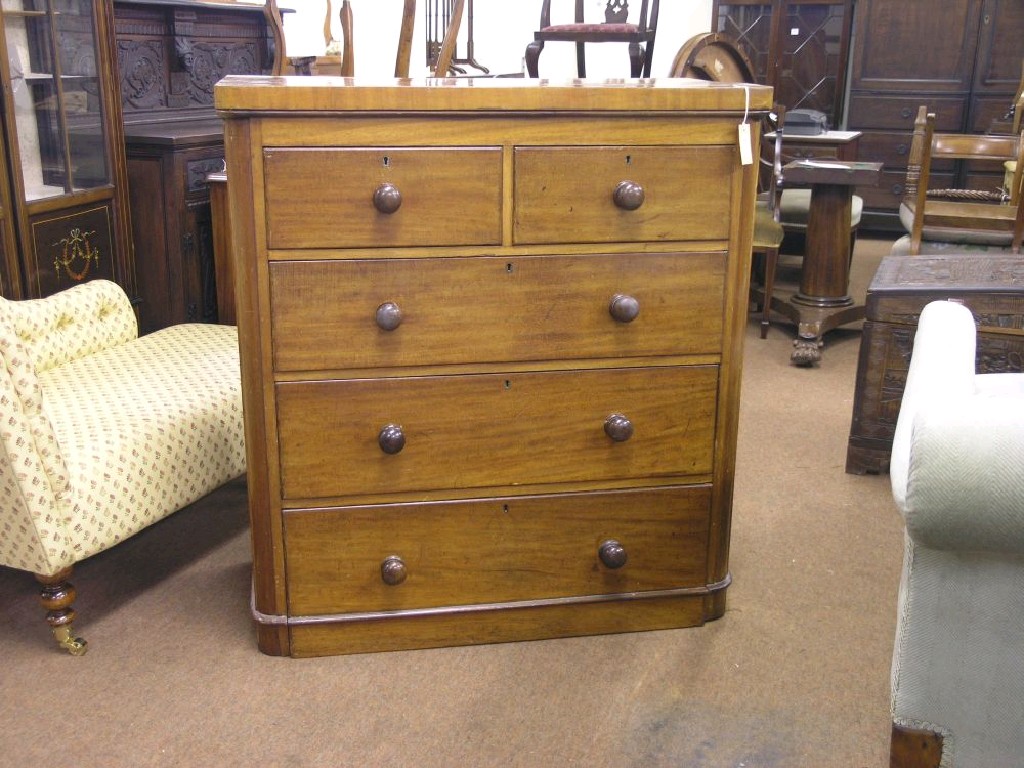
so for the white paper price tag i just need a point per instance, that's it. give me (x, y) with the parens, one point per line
(746, 147)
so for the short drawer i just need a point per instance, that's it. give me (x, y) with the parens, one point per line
(892, 149)
(497, 550)
(439, 311)
(343, 197)
(431, 433)
(875, 110)
(793, 151)
(568, 194)
(887, 194)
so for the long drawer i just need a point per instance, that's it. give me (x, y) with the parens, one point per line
(382, 197)
(879, 110)
(495, 550)
(621, 194)
(437, 311)
(369, 436)
(892, 149)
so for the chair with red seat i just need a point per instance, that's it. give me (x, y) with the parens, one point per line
(616, 28)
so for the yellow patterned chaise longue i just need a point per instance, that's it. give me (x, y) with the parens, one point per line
(104, 432)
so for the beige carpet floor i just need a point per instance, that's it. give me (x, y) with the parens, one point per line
(795, 674)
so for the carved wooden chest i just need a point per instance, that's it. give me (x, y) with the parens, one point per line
(992, 287)
(491, 341)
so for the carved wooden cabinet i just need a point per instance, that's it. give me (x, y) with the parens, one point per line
(961, 58)
(170, 53)
(992, 287)
(799, 47)
(491, 343)
(64, 207)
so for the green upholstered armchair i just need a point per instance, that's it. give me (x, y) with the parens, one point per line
(957, 477)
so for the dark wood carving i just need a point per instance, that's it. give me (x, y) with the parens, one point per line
(171, 54)
(991, 287)
(142, 65)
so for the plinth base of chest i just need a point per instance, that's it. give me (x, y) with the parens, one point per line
(510, 622)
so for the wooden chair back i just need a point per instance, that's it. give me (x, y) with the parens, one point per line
(616, 28)
(973, 211)
(404, 55)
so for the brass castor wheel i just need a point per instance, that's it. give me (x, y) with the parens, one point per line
(65, 637)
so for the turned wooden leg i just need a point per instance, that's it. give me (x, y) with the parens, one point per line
(57, 596)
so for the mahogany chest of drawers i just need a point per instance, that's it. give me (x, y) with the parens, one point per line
(491, 340)
(992, 287)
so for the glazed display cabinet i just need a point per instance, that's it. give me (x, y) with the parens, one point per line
(799, 47)
(64, 148)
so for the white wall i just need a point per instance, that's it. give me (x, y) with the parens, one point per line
(501, 30)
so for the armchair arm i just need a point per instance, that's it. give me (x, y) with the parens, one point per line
(965, 486)
(941, 368)
(79, 321)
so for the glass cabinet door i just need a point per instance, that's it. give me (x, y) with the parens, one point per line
(55, 89)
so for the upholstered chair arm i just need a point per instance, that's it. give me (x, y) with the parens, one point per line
(965, 486)
(941, 368)
(80, 321)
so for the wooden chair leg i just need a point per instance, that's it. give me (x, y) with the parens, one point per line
(533, 57)
(581, 61)
(57, 595)
(771, 261)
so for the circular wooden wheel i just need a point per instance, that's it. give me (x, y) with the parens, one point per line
(713, 56)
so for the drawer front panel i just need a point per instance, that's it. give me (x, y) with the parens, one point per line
(892, 149)
(794, 151)
(324, 198)
(478, 431)
(565, 194)
(490, 310)
(872, 110)
(504, 549)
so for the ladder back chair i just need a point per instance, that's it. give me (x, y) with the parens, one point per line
(978, 219)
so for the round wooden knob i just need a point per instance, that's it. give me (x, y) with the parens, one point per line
(391, 439)
(612, 554)
(628, 195)
(389, 316)
(624, 308)
(618, 428)
(393, 570)
(387, 198)
(906, 113)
